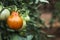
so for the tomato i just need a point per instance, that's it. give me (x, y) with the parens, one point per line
(15, 21)
(4, 14)
(56, 23)
(46, 17)
(27, 18)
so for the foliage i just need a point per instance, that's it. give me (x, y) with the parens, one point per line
(32, 29)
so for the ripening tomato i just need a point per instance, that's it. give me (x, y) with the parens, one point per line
(46, 17)
(56, 24)
(15, 21)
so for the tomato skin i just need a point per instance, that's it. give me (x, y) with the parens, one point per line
(14, 21)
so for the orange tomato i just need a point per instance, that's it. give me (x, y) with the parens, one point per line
(56, 24)
(14, 21)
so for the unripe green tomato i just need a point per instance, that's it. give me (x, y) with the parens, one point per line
(27, 18)
(4, 14)
(24, 23)
(1, 7)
